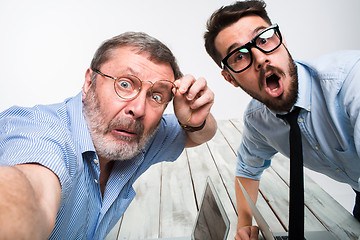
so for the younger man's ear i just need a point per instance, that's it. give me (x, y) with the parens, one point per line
(228, 77)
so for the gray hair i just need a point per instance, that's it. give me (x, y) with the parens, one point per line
(141, 43)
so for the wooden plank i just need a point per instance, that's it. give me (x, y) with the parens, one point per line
(276, 193)
(113, 234)
(141, 219)
(332, 215)
(178, 206)
(203, 166)
(238, 123)
(231, 133)
(226, 161)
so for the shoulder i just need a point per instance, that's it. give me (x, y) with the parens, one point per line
(38, 134)
(42, 117)
(36, 114)
(255, 110)
(259, 121)
(333, 66)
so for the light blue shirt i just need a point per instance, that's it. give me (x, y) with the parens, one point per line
(57, 137)
(329, 98)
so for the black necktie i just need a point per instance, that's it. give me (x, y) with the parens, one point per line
(296, 208)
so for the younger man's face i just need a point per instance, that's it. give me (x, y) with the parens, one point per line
(272, 77)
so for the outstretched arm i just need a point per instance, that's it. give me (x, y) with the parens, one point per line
(30, 196)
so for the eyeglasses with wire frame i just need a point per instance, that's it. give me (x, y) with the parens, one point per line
(241, 58)
(128, 87)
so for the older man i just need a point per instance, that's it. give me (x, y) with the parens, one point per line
(68, 168)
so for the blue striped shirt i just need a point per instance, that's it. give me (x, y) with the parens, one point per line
(56, 136)
(329, 121)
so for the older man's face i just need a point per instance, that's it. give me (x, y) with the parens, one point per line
(120, 128)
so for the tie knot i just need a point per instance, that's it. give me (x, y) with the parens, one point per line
(290, 117)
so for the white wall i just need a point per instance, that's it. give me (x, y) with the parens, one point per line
(46, 46)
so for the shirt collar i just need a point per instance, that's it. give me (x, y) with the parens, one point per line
(304, 88)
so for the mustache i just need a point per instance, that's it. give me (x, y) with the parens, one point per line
(129, 124)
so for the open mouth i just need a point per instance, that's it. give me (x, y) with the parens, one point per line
(272, 82)
(274, 85)
(127, 128)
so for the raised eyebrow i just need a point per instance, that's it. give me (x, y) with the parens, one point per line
(232, 47)
(127, 71)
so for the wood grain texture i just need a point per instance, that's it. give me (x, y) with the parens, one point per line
(169, 194)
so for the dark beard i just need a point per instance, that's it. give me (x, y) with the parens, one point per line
(279, 104)
(285, 104)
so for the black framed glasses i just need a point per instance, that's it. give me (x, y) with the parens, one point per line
(128, 87)
(241, 58)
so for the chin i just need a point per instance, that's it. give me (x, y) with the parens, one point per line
(282, 103)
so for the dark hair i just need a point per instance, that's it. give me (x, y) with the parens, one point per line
(227, 15)
(141, 43)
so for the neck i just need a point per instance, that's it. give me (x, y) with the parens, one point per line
(105, 171)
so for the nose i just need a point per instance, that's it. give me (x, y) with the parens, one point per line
(137, 106)
(260, 58)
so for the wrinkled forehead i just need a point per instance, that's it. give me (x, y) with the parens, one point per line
(126, 60)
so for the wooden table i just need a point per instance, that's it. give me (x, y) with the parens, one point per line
(168, 194)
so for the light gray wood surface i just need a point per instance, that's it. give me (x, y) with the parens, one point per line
(169, 194)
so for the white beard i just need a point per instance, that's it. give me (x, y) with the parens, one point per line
(121, 148)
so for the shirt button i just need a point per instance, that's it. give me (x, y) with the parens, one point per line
(96, 161)
(300, 120)
(317, 147)
(337, 170)
(96, 181)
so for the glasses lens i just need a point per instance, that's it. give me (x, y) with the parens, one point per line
(268, 40)
(127, 87)
(239, 59)
(162, 91)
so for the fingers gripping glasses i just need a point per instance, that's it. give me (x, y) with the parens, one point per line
(241, 58)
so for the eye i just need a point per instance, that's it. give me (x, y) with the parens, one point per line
(262, 41)
(239, 58)
(124, 84)
(127, 85)
(240, 54)
(157, 98)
